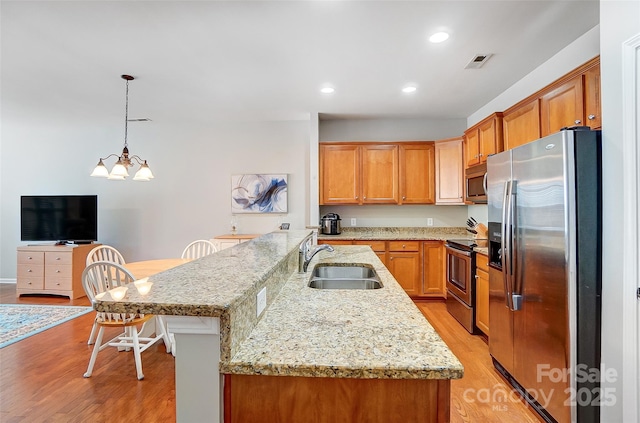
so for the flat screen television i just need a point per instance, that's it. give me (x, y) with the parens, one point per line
(60, 218)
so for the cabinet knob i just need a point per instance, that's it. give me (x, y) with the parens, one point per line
(476, 276)
(390, 258)
(29, 258)
(475, 157)
(29, 270)
(404, 246)
(481, 154)
(591, 117)
(58, 283)
(57, 271)
(356, 197)
(364, 198)
(57, 258)
(404, 198)
(578, 122)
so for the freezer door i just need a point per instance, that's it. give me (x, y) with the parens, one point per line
(541, 329)
(500, 316)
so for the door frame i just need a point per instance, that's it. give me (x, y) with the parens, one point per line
(631, 236)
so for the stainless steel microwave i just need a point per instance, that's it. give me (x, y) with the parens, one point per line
(476, 183)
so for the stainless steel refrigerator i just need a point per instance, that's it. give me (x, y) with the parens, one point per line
(544, 210)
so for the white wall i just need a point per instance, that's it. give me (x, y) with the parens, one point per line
(390, 129)
(189, 197)
(619, 21)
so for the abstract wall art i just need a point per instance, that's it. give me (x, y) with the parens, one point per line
(264, 193)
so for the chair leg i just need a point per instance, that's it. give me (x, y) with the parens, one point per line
(93, 333)
(136, 353)
(94, 353)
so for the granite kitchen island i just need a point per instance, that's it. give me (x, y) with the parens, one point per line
(311, 353)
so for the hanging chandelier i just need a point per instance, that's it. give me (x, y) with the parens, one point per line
(125, 161)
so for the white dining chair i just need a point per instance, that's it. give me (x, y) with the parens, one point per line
(198, 249)
(105, 253)
(102, 253)
(105, 279)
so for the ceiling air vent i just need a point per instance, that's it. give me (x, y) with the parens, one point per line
(478, 61)
(139, 120)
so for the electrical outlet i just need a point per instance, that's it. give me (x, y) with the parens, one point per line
(261, 301)
(429, 221)
(353, 221)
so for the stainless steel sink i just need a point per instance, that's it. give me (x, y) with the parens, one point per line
(344, 276)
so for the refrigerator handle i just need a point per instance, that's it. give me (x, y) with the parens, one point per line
(516, 281)
(505, 243)
(484, 182)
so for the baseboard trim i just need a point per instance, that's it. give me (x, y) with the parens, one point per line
(8, 280)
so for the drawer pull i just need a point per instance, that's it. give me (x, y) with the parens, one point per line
(29, 270)
(29, 258)
(404, 246)
(57, 258)
(57, 271)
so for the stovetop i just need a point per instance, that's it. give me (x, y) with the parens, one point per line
(464, 244)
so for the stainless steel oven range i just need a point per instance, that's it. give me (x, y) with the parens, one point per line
(461, 269)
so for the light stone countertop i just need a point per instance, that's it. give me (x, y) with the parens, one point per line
(377, 333)
(398, 233)
(304, 331)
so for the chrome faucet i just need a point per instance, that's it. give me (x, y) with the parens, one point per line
(306, 253)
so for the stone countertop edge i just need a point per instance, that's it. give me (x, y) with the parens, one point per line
(378, 333)
(397, 233)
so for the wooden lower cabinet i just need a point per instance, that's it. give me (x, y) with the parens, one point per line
(433, 254)
(405, 264)
(227, 241)
(418, 266)
(482, 293)
(266, 399)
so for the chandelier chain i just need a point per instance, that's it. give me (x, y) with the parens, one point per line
(126, 114)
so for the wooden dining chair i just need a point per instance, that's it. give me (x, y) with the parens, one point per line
(103, 279)
(198, 249)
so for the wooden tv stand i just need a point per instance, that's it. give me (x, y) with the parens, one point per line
(52, 269)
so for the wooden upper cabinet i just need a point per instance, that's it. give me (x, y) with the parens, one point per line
(380, 174)
(339, 174)
(562, 107)
(483, 139)
(592, 108)
(521, 124)
(449, 172)
(472, 147)
(377, 173)
(417, 174)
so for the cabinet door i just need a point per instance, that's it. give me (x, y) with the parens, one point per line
(490, 138)
(406, 268)
(449, 188)
(521, 125)
(482, 293)
(562, 107)
(339, 174)
(482, 301)
(472, 147)
(433, 284)
(380, 174)
(417, 174)
(592, 108)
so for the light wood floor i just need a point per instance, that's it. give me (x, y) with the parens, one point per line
(41, 376)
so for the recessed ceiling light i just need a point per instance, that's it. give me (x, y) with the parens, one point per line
(438, 37)
(327, 90)
(409, 89)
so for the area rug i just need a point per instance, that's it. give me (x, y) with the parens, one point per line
(19, 321)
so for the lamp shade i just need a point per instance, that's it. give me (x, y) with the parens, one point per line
(119, 170)
(100, 170)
